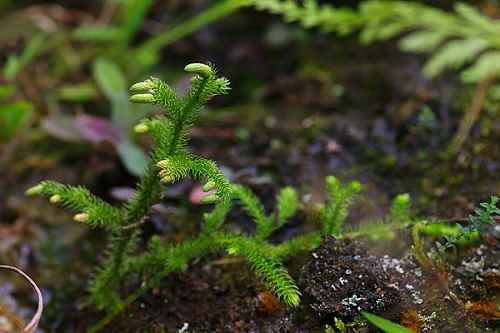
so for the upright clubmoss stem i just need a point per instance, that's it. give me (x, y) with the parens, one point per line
(149, 190)
(181, 119)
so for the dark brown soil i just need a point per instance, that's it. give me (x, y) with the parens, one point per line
(341, 279)
(338, 280)
(209, 297)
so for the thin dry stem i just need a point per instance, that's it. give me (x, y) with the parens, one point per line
(33, 324)
(471, 117)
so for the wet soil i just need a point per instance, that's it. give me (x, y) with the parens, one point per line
(338, 280)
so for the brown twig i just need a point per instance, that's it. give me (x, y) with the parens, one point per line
(472, 115)
(33, 324)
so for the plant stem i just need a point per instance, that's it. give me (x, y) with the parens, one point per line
(148, 193)
(208, 16)
(181, 118)
(471, 117)
(204, 248)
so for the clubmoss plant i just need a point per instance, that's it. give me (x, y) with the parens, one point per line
(170, 161)
(335, 212)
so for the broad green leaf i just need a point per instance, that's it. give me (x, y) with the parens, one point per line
(109, 78)
(77, 92)
(98, 34)
(133, 158)
(12, 117)
(382, 32)
(217, 11)
(384, 324)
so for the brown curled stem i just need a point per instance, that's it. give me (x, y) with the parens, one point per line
(33, 324)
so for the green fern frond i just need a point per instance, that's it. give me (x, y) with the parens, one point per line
(453, 40)
(171, 135)
(464, 40)
(487, 66)
(288, 203)
(454, 54)
(270, 269)
(310, 14)
(91, 210)
(340, 198)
